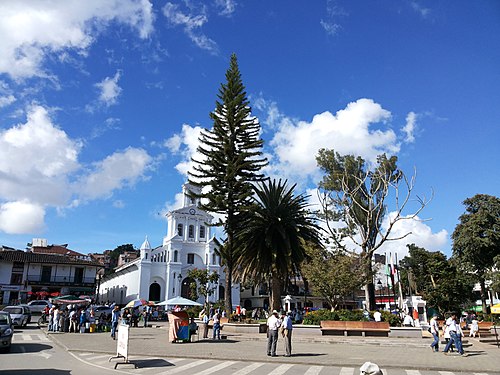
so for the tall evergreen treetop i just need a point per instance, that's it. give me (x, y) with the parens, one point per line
(232, 159)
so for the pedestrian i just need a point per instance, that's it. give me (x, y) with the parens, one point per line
(474, 327)
(273, 324)
(145, 315)
(435, 333)
(216, 326)
(286, 329)
(455, 335)
(83, 320)
(55, 320)
(407, 321)
(73, 321)
(51, 318)
(377, 315)
(115, 316)
(204, 320)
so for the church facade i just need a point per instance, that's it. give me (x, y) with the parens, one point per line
(161, 273)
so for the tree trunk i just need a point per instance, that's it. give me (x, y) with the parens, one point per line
(369, 287)
(228, 299)
(275, 300)
(483, 295)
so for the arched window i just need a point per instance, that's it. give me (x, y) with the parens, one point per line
(214, 258)
(176, 255)
(191, 231)
(202, 231)
(179, 229)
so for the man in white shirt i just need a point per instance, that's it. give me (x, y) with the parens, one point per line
(455, 335)
(377, 315)
(273, 324)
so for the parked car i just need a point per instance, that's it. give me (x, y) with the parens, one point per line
(6, 331)
(20, 315)
(98, 310)
(37, 306)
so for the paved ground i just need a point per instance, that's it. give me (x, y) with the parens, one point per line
(318, 350)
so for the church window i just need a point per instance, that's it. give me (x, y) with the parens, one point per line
(179, 229)
(176, 254)
(190, 259)
(191, 231)
(202, 231)
(214, 258)
(146, 256)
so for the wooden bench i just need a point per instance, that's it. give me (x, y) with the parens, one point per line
(351, 328)
(484, 329)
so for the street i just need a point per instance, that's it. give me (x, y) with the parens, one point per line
(35, 352)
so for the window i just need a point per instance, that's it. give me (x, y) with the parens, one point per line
(214, 258)
(202, 231)
(179, 229)
(176, 254)
(190, 259)
(191, 231)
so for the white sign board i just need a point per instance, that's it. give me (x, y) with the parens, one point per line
(122, 344)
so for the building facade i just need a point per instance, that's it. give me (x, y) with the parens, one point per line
(160, 273)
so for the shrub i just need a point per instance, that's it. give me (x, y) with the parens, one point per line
(315, 317)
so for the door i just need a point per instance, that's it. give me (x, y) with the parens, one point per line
(78, 275)
(46, 273)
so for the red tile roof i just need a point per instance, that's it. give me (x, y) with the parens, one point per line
(28, 257)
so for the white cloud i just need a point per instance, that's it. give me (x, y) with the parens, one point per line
(32, 29)
(7, 100)
(35, 159)
(350, 131)
(421, 235)
(331, 28)
(39, 166)
(114, 172)
(21, 217)
(109, 89)
(409, 128)
(192, 24)
(227, 7)
(420, 9)
(185, 144)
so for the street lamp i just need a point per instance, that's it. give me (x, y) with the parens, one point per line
(180, 286)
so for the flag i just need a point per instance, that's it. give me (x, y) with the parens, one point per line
(393, 269)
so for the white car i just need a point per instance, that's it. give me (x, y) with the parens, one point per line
(20, 314)
(37, 306)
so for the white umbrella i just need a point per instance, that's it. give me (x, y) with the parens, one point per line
(181, 301)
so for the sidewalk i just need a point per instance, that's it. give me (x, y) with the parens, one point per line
(318, 350)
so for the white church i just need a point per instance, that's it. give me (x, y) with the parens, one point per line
(161, 273)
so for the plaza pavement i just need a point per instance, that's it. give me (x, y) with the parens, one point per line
(411, 353)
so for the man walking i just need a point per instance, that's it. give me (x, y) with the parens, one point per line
(287, 333)
(115, 316)
(273, 325)
(435, 333)
(455, 335)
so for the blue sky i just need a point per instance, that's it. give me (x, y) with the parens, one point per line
(101, 103)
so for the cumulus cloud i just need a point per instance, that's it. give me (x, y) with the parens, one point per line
(409, 128)
(185, 145)
(39, 169)
(109, 89)
(359, 129)
(30, 30)
(21, 217)
(192, 24)
(118, 170)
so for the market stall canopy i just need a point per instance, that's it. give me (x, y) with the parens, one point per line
(70, 299)
(136, 303)
(180, 301)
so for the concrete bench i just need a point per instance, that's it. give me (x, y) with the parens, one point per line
(351, 328)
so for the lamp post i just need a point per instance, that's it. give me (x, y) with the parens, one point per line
(379, 283)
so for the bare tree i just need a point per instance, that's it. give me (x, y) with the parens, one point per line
(354, 204)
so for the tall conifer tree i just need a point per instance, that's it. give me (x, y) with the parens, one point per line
(231, 161)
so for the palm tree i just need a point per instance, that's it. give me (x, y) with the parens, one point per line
(272, 236)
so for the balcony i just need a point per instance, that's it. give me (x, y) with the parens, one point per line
(60, 280)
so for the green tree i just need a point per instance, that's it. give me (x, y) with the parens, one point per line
(355, 194)
(333, 275)
(273, 235)
(205, 283)
(230, 163)
(476, 239)
(437, 279)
